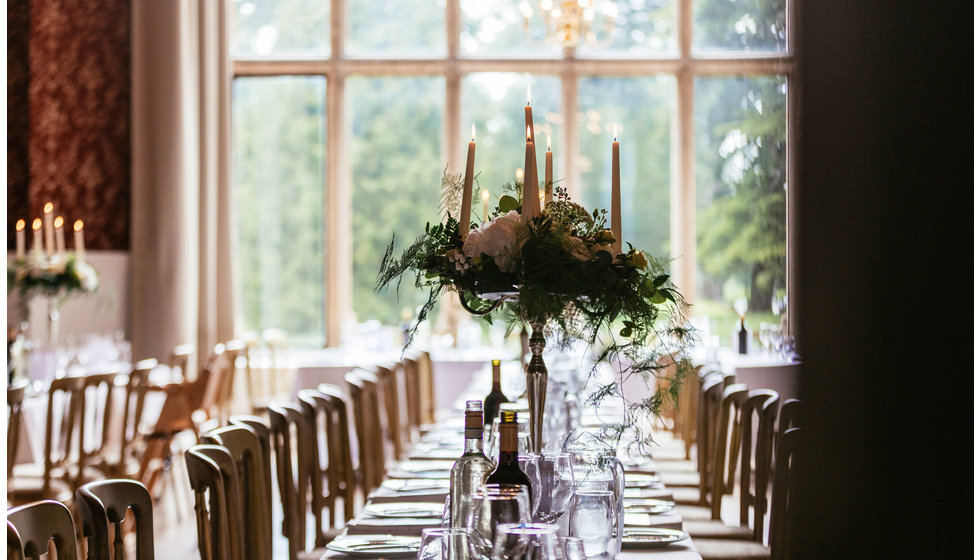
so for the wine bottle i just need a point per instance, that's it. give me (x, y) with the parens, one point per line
(470, 469)
(508, 469)
(491, 404)
(743, 338)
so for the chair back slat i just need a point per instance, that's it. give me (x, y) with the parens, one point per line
(15, 411)
(97, 398)
(388, 394)
(262, 431)
(727, 444)
(427, 400)
(413, 395)
(64, 395)
(712, 386)
(784, 488)
(107, 501)
(39, 523)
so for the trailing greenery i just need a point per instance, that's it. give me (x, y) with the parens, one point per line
(562, 269)
(57, 277)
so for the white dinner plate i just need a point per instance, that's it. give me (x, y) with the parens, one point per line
(415, 485)
(411, 510)
(649, 506)
(426, 466)
(376, 546)
(640, 480)
(649, 537)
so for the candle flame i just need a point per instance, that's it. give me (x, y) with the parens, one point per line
(529, 134)
(519, 174)
(549, 142)
(48, 207)
(615, 129)
(485, 195)
(529, 94)
(79, 225)
(59, 221)
(473, 133)
(36, 224)
(21, 224)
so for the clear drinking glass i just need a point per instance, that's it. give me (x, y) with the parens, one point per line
(593, 519)
(556, 482)
(571, 548)
(526, 541)
(444, 543)
(492, 505)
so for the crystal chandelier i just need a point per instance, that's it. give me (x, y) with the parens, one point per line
(569, 22)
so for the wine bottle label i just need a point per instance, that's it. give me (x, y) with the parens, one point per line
(508, 438)
(473, 425)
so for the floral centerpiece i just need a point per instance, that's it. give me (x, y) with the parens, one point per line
(49, 270)
(557, 266)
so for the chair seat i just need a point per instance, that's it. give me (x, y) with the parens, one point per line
(693, 513)
(687, 496)
(728, 549)
(716, 530)
(676, 466)
(675, 479)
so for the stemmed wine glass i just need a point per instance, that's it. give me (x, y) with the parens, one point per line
(556, 482)
(444, 543)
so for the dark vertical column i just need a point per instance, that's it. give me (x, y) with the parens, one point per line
(885, 295)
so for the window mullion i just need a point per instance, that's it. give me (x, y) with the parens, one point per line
(569, 107)
(339, 263)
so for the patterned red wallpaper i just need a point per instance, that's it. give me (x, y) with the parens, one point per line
(78, 145)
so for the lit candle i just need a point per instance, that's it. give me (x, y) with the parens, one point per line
(548, 191)
(21, 238)
(467, 202)
(528, 196)
(485, 195)
(36, 226)
(617, 226)
(79, 241)
(48, 228)
(59, 229)
(531, 168)
(528, 117)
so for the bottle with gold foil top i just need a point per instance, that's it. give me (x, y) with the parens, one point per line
(491, 404)
(508, 469)
(471, 469)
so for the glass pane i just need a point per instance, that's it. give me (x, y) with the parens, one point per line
(500, 28)
(495, 103)
(396, 165)
(740, 129)
(278, 170)
(624, 27)
(280, 28)
(641, 109)
(757, 25)
(397, 28)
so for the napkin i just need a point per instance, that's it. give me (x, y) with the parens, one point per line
(410, 527)
(668, 520)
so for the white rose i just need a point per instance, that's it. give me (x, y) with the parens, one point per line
(87, 276)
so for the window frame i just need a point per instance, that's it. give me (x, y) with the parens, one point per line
(685, 65)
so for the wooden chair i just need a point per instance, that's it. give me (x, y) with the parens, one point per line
(245, 449)
(427, 400)
(15, 548)
(333, 480)
(687, 423)
(727, 445)
(97, 403)
(413, 395)
(711, 394)
(55, 477)
(15, 411)
(362, 386)
(107, 501)
(214, 479)
(126, 464)
(291, 434)
(388, 393)
(182, 410)
(262, 431)
(789, 417)
(784, 488)
(41, 522)
(179, 359)
(759, 410)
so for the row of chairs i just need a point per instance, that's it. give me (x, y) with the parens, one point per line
(34, 530)
(76, 450)
(745, 442)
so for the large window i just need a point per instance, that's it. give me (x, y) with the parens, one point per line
(345, 114)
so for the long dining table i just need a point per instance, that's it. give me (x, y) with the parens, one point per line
(419, 485)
